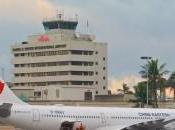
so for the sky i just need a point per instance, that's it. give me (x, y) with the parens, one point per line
(132, 28)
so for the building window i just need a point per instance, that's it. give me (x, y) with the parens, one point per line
(22, 54)
(76, 63)
(22, 84)
(76, 52)
(96, 52)
(16, 55)
(22, 65)
(104, 87)
(37, 94)
(96, 73)
(96, 63)
(96, 82)
(16, 65)
(57, 93)
(96, 92)
(104, 77)
(60, 46)
(104, 58)
(104, 68)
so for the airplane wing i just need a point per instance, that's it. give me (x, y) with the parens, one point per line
(149, 125)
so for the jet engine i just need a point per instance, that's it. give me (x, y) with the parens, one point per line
(73, 125)
(79, 126)
(5, 110)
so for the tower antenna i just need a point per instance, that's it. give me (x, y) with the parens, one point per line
(87, 25)
(59, 14)
(76, 16)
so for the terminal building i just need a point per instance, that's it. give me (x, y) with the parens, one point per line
(59, 64)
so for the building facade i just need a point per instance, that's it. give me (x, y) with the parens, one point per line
(60, 64)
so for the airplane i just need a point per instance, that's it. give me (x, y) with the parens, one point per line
(14, 111)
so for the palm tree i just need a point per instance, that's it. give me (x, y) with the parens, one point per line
(171, 82)
(155, 73)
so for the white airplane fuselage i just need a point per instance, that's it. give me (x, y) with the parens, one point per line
(51, 117)
(22, 115)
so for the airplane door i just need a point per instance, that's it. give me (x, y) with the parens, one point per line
(36, 115)
(103, 119)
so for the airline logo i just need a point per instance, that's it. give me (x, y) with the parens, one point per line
(1, 86)
(43, 38)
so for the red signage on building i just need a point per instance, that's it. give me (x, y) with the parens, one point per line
(43, 38)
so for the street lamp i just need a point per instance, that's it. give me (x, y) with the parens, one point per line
(147, 58)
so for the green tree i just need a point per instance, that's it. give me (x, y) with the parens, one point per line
(155, 74)
(125, 89)
(162, 86)
(171, 82)
(140, 93)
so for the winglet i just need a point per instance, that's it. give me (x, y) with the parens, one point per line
(1, 86)
(7, 96)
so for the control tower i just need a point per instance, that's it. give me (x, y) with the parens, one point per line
(60, 23)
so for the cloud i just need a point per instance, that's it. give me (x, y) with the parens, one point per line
(132, 28)
(130, 80)
(25, 11)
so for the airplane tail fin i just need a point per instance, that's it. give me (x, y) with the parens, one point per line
(7, 96)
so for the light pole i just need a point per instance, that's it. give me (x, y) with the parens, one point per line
(147, 58)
